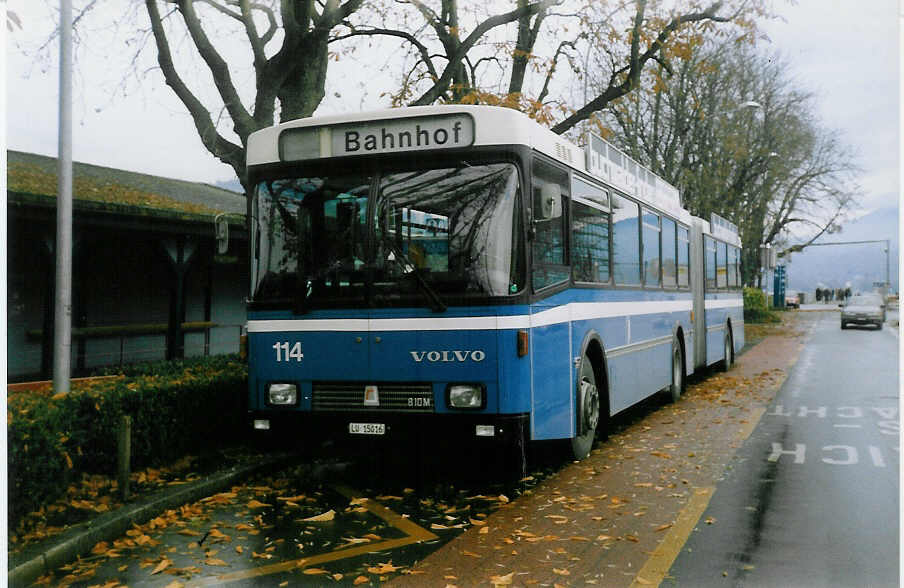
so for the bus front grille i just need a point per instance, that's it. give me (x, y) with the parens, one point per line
(392, 397)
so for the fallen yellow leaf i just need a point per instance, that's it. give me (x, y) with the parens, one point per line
(314, 571)
(561, 572)
(165, 563)
(327, 516)
(383, 568)
(213, 561)
(361, 580)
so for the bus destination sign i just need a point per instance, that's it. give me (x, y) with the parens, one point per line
(381, 136)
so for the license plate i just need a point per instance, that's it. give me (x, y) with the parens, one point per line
(367, 428)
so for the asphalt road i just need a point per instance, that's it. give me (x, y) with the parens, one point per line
(812, 498)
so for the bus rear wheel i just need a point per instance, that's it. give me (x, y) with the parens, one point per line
(728, 351)
(588, 399)
(677, 385)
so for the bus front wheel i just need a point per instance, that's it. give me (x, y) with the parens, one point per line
(588, 399)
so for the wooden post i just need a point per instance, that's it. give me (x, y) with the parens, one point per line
(124, 455)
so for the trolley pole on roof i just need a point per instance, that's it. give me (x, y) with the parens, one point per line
(62, 330)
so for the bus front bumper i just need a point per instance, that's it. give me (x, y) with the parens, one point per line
(310, 426)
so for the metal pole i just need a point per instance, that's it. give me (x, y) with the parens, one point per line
(62, 338)
(887, 267)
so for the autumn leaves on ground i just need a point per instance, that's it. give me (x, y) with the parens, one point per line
(592, 522)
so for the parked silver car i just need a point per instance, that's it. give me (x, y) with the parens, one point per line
(863, 309)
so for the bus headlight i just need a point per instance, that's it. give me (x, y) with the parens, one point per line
(466, 396)
(282, 394)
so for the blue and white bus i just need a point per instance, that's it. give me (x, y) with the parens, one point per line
(463, 269)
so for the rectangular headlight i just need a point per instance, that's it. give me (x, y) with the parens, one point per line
(466, 396)
(282, 394)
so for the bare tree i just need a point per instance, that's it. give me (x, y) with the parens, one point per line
(737, 138)
(288, 41)
(515, 58)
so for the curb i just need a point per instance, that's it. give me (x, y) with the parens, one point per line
(44, 558)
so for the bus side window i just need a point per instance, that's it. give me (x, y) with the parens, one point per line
(590, 244)
(709, 262)
(669, 265)
(550, 189)
(683, 257)
(732, 267)
(651, 251)
(625, 241)
(721, 265)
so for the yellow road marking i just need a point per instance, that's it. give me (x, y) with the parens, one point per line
(658, 565)
(414, 534)
(752, 421)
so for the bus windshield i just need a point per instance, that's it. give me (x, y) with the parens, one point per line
(389, 238)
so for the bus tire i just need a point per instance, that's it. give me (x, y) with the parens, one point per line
(588, 400)
(676, 388)
(728, 350)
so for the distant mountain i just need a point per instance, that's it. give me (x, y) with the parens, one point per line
(855, 265)
(233, 185)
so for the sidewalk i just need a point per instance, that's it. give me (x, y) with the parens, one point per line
(620, 517)
(48, 555)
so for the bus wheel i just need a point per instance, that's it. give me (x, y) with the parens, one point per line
(588, 398)
(729, 352)
(677, 385)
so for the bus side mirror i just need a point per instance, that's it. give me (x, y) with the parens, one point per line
(550, 202)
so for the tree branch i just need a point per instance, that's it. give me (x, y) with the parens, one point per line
(637, 62)
(455, 57)
(242, 121)
(221, 148)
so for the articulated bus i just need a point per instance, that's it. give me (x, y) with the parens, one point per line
(462, 272)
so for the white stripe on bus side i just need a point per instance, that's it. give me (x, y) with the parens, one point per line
(724, 303)
(574, 311)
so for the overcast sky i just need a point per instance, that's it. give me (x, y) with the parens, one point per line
(845, 51)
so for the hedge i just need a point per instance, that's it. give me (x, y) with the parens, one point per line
(177, 408)
(755, 308)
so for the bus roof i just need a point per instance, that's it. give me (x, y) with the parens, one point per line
(421, 128)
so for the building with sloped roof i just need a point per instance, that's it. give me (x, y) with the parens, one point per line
(149, 281)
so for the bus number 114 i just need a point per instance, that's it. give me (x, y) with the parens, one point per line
(284, 353)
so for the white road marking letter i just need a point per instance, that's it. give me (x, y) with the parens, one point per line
(876, 454)
(850, 412)
(779, 411)
(799, 452)
(889, 427)
(820, 412)
(851, 455)
(887, 412)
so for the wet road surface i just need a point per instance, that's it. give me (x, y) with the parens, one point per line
(812, 498)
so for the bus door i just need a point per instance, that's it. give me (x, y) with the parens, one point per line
(697, 270)
(552, 391)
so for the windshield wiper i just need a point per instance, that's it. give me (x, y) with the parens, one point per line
(408, 268)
